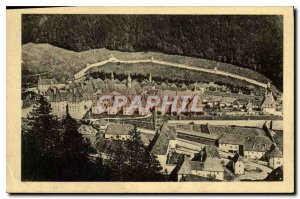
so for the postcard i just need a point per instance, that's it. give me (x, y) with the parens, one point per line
(150, 100)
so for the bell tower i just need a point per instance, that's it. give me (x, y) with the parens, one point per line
(129, 81)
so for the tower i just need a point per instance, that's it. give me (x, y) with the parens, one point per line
(112, 76)
(154, 118)
(129, 81)
(150, 77)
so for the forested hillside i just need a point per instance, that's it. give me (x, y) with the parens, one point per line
(253, 42)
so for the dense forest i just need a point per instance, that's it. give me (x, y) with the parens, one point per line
(251, 41)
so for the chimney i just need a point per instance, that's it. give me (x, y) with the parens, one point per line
(74, 90)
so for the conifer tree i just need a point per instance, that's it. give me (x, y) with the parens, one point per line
(40, 145)
(131, 161)
(80, 162)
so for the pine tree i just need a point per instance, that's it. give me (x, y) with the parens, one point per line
(80, 162)
(40, 145)
(131, 161)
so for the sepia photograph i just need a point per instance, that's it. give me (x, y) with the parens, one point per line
(172, 97)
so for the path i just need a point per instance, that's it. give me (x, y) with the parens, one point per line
(82, 72)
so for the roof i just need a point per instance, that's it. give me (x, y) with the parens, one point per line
(212, 151)
(169, 93)
(55, 95)
(256, 102)
(196, 165)
(107, 145)
(45, 81)
(212, 164)
(259, 144)
(203, 128)
(268, 101)
(197, 134)
(275, 153)
(237, 158)
(102, 122)
(227, 100)
(161, 144)
(185, 167)
(75, 95)
(231, 139)
(87, 130)
(215, 98)
(205, 97)
(88, 86)
(278, 137)
(195, 178)
(241, 101)
(118, 129)
(275, 175)
(216, 129)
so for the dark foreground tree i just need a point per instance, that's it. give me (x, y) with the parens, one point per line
(131, 161)
(79, 160)
(40, 144)
(56, 151)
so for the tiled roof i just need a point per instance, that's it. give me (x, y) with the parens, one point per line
(195, 178)
(231, 139)
(161, 144)
(212, 164)
(75, 95)
(71, 95)
(199, 140)
(269, 101)
(216, 129)
(259, 144)
(197, 134)
(118, 129)
(279, 139)
(196, 165)
(212, 151)
(202, 128)
(215, 98)
(55, 95)
(185, 167)
(45, 81)
(87, 130)
(236, 158)
(276, 153)
(227, 100)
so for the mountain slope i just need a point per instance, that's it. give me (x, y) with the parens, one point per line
(249, 41)
(44, 57)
